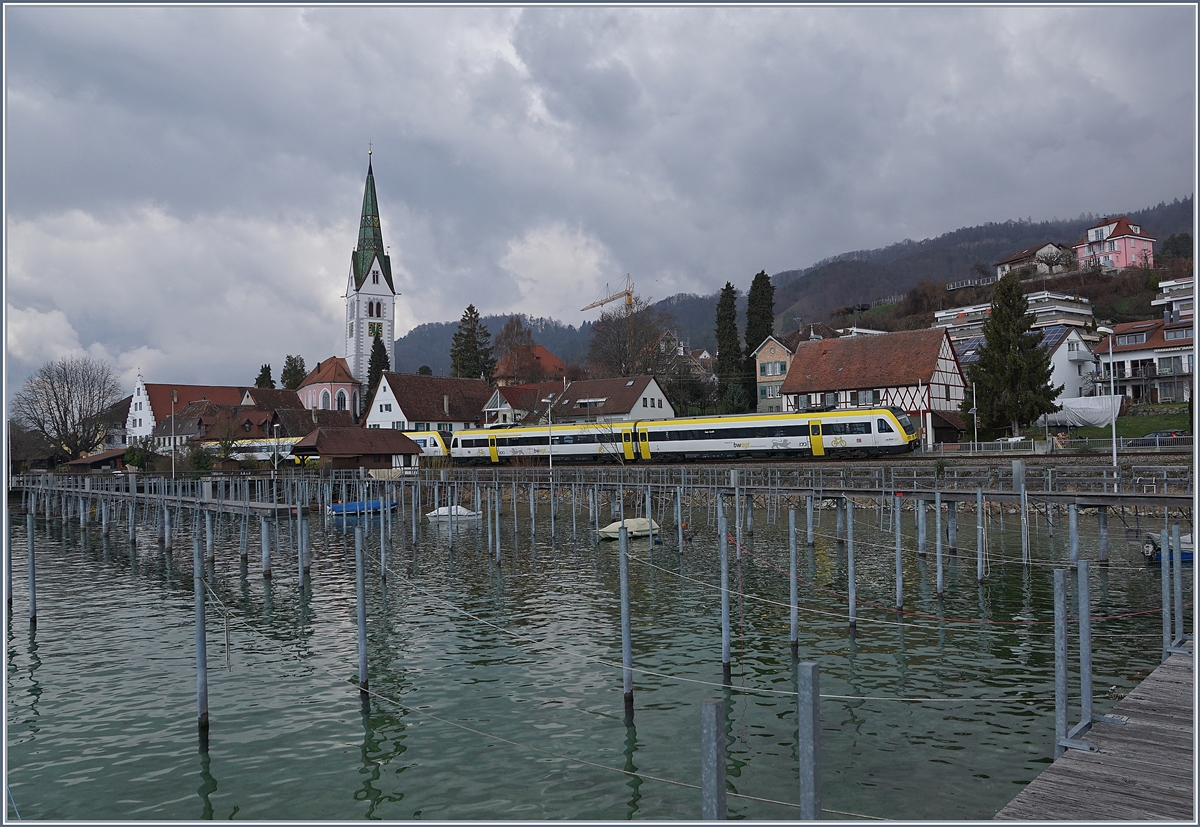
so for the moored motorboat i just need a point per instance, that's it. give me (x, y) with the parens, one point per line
(1153, 553)
(340, 509)
(635, 526)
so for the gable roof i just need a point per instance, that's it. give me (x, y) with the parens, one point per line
(620, 394)
(1028, 253)
(789, 341)
(298, 421)
(267, 399)
(354, 442)
(426, 398)
(1124, 228)
(528, 397)
(891, 360)
(549, 364)
(332, 371)
(160, 396)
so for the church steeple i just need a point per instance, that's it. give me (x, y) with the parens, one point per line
(370, 238)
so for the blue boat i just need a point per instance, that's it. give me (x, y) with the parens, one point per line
(1153, 553)
(358, 507)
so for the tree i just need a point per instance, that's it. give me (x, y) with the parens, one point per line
(424, 370)
(471, 348)
(730, 367)
(1054, 260)
(1012, 374)
(293, 372)
(512, 336)
(264, 380)
(632, 340)
(142, 454)
(515, 342)
(760, 323)
(66, 401)
(378, 363)
(1177, 246)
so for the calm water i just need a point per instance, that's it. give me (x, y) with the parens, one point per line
(501, 698)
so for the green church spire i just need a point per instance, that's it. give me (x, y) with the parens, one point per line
(370, 237)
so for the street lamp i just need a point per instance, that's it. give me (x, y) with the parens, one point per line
(974, 412)
(1112, 372)
(174, 399)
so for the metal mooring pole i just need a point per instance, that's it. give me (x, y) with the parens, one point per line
(808, 508)
(808, 742)
(922, 505)
(265, 536)
(853, 602)
(979, 534)
(1085, 645)
(201, 641)
(360, 588)
(937, 545)
(1102, 515)
(723, 548)
(1060, 661)
(712, 760)
(1177, 560)
(1164, 556)
(32, 575)
(626, 638)
(1073, 532)
(899, 561)
(793, 600)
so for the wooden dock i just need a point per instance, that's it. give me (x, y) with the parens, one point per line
(1142, 771)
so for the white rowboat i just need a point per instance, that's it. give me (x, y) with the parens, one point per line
(636, 526)
(453, 512)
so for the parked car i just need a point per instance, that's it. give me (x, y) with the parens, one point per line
(1162, 438)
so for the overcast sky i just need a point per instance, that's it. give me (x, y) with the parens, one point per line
(183, 184)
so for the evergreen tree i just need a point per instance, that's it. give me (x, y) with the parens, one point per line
(471, 348)
(377, 365)
(760, 323)
(730, 367)
(424, 370)
(293, 372)
(264, 380)
(1012, 374)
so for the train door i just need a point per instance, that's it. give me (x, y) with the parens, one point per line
(815, 438)
(644, 442)
(627, 442)
(492, 448)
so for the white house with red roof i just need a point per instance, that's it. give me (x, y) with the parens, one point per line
(1114, 244)
(152, 402)
(1151, 361)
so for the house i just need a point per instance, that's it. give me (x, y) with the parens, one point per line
(527, 364)
(413, 402)
(197, 421)
(511, 405)
(1046, 258)
(269, 399)
(1177, 296)
(116, 419)
(111, 460)
(331, 386)
(346, 448)
(1151, 361)
(914, 370)
(611, 400)
(153, 402)
(1046, 307)
(1071, 359)
(1114, 244)
(773, 358)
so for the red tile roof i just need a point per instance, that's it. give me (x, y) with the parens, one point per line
(1027, 254)
(160, 396)
(620, 395)
(1124, 228)
(333, 370)
(268, 399)
(1155, 336)
(891, 360)
(425, 398)
(354, 442)
(545, 361)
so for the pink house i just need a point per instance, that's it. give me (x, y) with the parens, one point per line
(330, 387)
(1113, 244)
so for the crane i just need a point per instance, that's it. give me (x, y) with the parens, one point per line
(627, 292)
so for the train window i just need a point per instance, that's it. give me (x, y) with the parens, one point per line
(884, 427)
(860, 427)
(642, 437)
(816, 429)
(625, 437)
(836, 428)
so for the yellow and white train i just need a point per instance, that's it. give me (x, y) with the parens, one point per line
(864, 432)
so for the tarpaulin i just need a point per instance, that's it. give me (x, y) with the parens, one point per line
(1085, 410)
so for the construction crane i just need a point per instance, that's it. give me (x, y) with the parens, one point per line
(611, 296)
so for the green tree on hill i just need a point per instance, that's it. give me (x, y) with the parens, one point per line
(1012, 374)
(471, 348)
(760, 323)
(730, 368)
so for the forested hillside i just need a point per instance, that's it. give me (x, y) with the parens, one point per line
(814, 293)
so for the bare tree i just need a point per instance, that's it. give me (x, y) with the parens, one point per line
(633, 340)
(65, 401)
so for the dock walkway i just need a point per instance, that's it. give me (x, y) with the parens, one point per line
(1141, 771)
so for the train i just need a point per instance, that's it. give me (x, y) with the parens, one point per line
(841, 433)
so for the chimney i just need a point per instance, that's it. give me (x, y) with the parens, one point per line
(446, 403)
(1167, 316)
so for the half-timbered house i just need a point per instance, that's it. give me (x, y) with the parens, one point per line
(914, 370)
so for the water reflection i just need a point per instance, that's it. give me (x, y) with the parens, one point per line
(376, 755)
(633, 781)
(208, 784)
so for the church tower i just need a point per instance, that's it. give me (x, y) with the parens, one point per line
(370, 294)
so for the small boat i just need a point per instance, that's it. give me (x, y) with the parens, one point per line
(453, 512)
(1153, 553)
(635, 526)
(358, 507)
